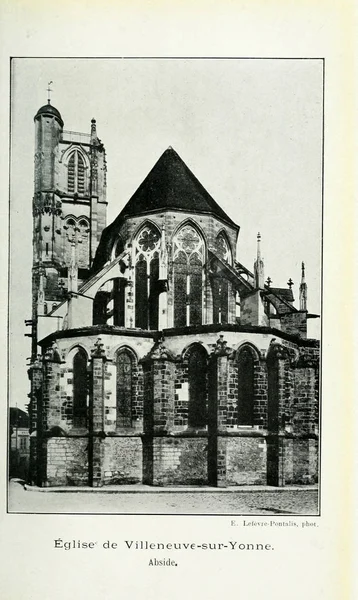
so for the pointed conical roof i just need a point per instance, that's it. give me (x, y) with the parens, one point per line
(171, 185)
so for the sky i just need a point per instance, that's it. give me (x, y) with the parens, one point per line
(250, 130)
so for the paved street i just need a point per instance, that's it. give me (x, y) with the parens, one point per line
(265, 501)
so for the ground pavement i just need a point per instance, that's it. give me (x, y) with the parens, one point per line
(140, 499)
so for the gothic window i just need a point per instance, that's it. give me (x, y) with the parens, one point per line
(76, 173)
(83, 244)
(69, 232)
(197, 379)
(124, 364)
(188, 260)
(246, 393)
(147, 246)
(220, 284)
(223, 249)
(80, 389)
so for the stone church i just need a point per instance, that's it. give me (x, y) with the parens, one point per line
(157, 356)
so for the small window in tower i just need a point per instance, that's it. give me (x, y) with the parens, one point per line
(46, 248)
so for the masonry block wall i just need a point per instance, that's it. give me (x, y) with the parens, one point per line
(159, 446)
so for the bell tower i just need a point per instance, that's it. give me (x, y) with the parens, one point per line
(69, 210)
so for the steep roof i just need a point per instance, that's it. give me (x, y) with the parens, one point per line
(171, 185)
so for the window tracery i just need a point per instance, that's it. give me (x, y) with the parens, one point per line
(146, 246)
(220, 285)
(124, 364)
(223, 249)
(188, 260)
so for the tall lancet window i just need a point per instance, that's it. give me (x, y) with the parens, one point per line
(146, 248)
(220, 284)
(197, 379)
(76, 173)
(246, 389)
(80, 389)
(124, 364)
(188, 261)
(83, 243)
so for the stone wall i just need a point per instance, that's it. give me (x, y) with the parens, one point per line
(180, 461)
(67, 461)
(244, 460)
(122, 460)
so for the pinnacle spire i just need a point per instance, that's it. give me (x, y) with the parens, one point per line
(259, 266)
(303, 289)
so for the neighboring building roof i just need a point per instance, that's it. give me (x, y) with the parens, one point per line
(48, 109)
(170, 185)
(18, 417)
(284, 293)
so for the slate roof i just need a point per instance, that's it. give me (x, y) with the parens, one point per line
(284, 293)
(170, 185)
(18, 417)
(48, 109)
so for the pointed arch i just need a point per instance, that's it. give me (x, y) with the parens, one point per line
(221, 287)
(146, 268)
(124, 360)
(189, 252)
(223, 246)
(246, 358)
(76, 172)
(80, 391)
(197, 360)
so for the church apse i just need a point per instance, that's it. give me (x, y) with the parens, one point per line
(149, 372)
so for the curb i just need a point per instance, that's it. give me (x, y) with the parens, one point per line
(166, 490)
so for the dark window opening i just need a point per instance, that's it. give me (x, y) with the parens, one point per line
(80, 389)
(197, 379)
(246, 392)
(124, 389)
(154, 296)
(119, 302)
(100, 308)
(141, 295)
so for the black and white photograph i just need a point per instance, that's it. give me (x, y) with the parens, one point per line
(165, 286)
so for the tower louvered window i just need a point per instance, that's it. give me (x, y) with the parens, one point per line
(188, 263)
(76, 174)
